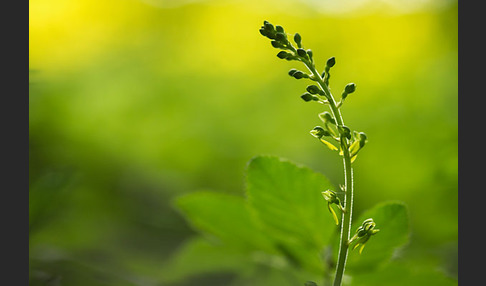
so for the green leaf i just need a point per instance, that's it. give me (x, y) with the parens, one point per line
(402, 274)
(223, 216)
(391, 219)
(287, 199)
(198, 256)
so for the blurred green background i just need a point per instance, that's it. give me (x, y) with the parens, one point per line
(133, 103)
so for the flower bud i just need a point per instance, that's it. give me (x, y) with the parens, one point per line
(308, 97)
(319, 132)
(299, 75)
(350, 88)
(283, 55)
(281, 37)
(331, 197)
(309, 54)
(345, 131)
(268, 26)
(301, 53)
(292, 71)
(331, 62)
(362, 139)
(326, 117)
(263, 32)
(268, 30)
(313, 89)
(279, 29)
(276, 44)
(298, 40)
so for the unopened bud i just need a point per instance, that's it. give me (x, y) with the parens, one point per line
(313, 89)
(362, 139)
(309, 53)
(345, 131)
(277, 44)
(281, 37)
(268, 26)
(283, 55)
(302, 53)
(350, 88)
(298, 40)
(263, 32)
(299, 75)
(331, 62)
(308, 97)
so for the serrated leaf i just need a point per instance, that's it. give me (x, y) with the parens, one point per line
(391, 219)
(287, 199)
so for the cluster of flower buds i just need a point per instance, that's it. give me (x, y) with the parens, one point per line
(332, 199)
(363, 234)
(289, 52)
(280, 40)
(276, 34)
(314, 93)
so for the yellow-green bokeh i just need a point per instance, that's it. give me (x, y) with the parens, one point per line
(133, 103)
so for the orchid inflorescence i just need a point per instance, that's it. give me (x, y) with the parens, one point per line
(333, 131)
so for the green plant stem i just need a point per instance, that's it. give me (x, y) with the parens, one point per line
(348, 180)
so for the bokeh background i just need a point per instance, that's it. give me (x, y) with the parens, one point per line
(135, 102)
